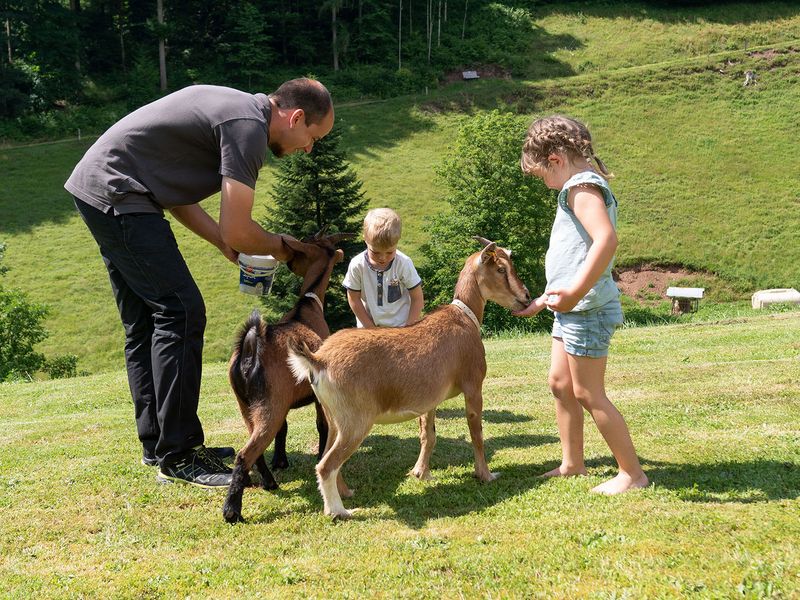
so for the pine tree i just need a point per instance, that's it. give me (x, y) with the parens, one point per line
(313, 191)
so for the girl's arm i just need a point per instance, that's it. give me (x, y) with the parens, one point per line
(590, 209)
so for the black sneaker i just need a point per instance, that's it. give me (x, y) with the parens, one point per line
(224, 454)
(195, 470)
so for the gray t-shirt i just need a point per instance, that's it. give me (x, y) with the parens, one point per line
(175, 151)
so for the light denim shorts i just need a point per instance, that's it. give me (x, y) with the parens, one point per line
(588, 332)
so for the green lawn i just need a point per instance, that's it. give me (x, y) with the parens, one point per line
(712, 409)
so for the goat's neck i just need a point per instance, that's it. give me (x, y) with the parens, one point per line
(469, 293)
(307, 310)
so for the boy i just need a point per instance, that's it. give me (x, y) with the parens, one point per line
(383, 287)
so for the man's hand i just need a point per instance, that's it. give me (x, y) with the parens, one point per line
(229, 253)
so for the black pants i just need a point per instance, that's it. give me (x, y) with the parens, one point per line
(164, 317)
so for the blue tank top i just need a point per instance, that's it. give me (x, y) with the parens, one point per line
(570, 243)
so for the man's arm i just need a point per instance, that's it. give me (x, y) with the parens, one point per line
(197, 220)
(237, 227)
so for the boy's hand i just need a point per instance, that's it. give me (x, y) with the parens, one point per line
(534, 308)
(561, 300)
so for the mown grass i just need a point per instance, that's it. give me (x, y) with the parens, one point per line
(705, 177)
(712, 409)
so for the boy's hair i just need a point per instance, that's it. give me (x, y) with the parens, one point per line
(556, 134)
(382, 228)
(308, 94)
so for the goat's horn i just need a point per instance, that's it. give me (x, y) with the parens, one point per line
(321, 231)
(484, 242)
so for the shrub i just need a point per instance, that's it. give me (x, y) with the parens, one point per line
(489, 196)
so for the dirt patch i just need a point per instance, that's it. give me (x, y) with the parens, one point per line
(484, 72)
(649, 282)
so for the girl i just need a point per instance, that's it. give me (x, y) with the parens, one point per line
(581, 294)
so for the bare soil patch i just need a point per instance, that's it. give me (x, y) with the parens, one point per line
(645, 281)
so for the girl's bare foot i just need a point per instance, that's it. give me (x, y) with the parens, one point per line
(621, 483)
(562, 471)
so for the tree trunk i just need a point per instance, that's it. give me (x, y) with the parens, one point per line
(400, 37)
(439, 30)
(162, 51)
(333, 32)
(8, 39)
(429, 22)
(464, 26)
(75, 7)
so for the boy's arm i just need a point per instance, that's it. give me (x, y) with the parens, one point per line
(417, 302)
(590, 209)
(354, 300)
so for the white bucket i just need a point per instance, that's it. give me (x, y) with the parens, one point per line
(256, 274)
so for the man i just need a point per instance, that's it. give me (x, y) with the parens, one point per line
(170, 155)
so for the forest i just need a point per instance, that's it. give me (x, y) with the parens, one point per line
(61, 59)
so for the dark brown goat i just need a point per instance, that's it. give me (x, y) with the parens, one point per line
(264, 387)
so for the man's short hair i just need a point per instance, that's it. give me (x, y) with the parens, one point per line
(308, 94)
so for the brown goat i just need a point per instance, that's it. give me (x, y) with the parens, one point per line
(264, 387)
(367, 376)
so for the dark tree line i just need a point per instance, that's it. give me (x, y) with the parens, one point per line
(58, 53)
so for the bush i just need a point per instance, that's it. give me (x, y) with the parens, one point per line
(20, 329)
(62, 367)
(489, 196)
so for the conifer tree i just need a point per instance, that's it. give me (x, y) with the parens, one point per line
(313, 191)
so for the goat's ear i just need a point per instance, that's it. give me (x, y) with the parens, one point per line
(489, 253)
(484, 242)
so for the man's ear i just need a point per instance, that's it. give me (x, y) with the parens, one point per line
(295, 116)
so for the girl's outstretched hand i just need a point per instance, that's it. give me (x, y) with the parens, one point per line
(561, 300)
(534, 308)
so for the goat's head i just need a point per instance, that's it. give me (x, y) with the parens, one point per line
(496, 276)
(318, 248)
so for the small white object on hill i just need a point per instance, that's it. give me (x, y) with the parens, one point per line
(470, 75)
(764, 298)
(685, 299)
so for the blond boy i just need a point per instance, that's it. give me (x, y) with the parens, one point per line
(383, 287)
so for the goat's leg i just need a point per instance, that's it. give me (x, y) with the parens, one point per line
(279, 458)
(474, 407)
(427, 440)
(345, 443)
(264, 431)
(330, 436)
(322, 429)
(267, 479)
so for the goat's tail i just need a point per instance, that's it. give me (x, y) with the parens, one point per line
(246, 372)
(303, 363)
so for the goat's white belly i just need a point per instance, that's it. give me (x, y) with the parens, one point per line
(396, 417)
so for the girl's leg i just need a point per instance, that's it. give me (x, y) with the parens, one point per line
(569, 415)
(588, 380)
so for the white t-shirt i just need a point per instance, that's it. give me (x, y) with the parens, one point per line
(384, 294)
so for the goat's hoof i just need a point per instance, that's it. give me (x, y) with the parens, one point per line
(421, 475)
(279, 463)
(343, 515)
(487, 477)
(232, 516)
(270, 485)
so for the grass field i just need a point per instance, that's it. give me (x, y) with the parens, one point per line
(712, 409)
(704, 164)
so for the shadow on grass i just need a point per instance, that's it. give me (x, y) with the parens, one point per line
(489, 416)
(382, 463)
(746, 481)
(675, 11)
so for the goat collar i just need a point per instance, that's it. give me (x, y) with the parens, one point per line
(467, 311)
(315, 297)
